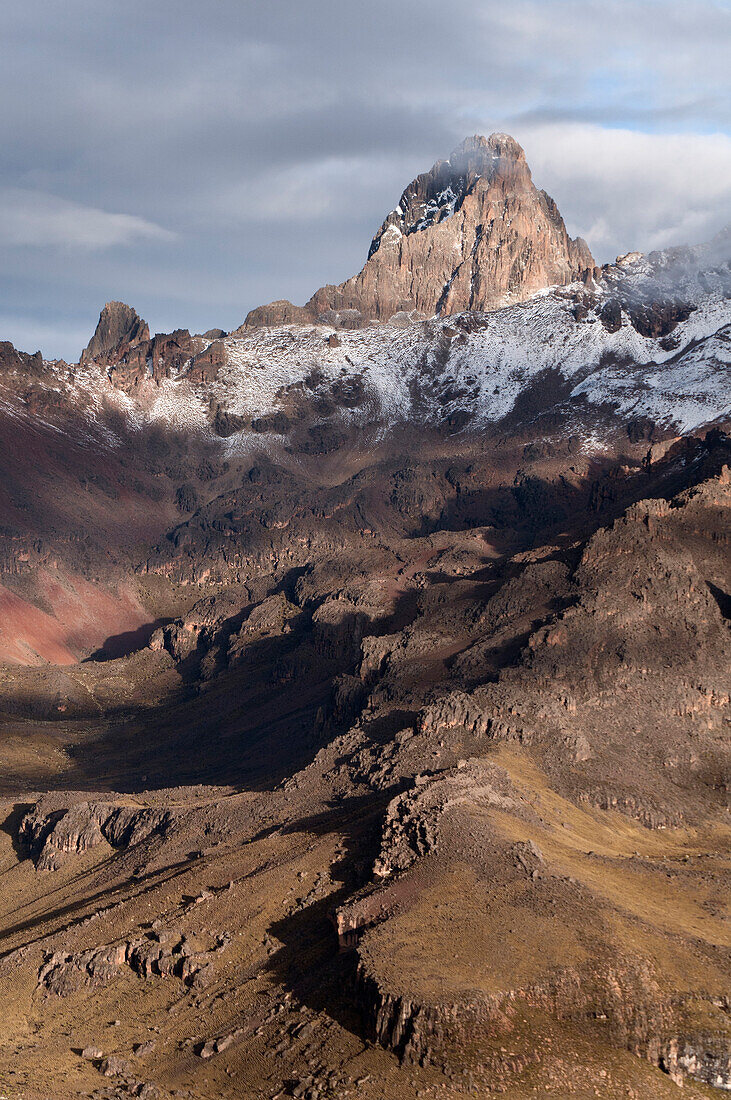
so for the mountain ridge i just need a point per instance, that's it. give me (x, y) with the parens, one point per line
(364, 692)
(471, 233)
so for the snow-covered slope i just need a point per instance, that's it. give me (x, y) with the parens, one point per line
(466, 370)
(430, 370)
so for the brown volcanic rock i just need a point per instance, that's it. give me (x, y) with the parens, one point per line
(12, 360)
(281, 312)
(157, 358)
(206, 364)
(123, 345)
(473, 233)
(119, 324)
(163, 356)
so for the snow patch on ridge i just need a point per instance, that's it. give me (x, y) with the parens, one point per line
(494, 362)
(428, 371)
(439, 208)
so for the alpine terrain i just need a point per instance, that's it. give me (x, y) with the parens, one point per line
(364, 678)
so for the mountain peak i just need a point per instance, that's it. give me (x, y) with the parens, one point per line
(118, 323)
(472, 233)
(437, 194)
(496, 145)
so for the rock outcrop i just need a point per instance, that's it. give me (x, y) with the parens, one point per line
(49, 832)
(13, 361)
(119, 324)
(281, 312)
(122, 346)
(473, 233)
(623, 1002)
(164, 954)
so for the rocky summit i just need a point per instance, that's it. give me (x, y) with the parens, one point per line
(364, 679)
(473, 233)
(118, 324)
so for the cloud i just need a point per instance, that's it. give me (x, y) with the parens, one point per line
(37, 220)
(271, 139)
(313, 190)
(620, 189)
(626, 190)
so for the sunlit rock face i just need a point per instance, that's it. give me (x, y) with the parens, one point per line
(118, 324)
(473, 233)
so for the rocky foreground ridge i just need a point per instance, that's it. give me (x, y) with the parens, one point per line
(442, 817)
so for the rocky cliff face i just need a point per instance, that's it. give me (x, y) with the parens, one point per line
(123, 349)
(473, 233)
(118, 324)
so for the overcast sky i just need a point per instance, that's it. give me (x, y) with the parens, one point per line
(197, 159)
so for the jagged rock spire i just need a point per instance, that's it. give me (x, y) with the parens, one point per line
(118, 323)
(472, 233)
